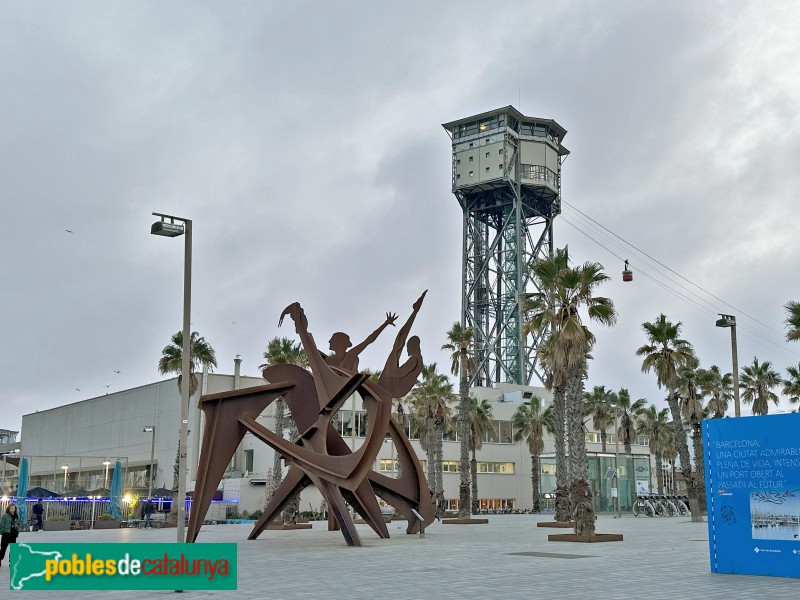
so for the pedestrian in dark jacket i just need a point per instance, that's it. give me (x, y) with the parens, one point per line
(38, 513)
(9, 529)
(147, 513)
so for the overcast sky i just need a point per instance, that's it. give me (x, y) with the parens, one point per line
(304, 140)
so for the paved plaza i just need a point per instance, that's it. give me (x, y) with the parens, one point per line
(508, 558)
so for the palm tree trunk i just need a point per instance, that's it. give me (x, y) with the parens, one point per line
(683, 453)
(292, 510)
(473, 467)
(603, 439)
(699, 462)
(626, 426)
(537, 507)
(563, 505)
(464, 506)
(430, 452)
(277, 462)
(659, 472)
(580, 489)
(440, 500)
(578, 467)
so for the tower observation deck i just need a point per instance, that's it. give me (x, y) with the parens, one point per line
(507, 179)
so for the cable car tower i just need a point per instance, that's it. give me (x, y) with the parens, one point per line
(507, 179)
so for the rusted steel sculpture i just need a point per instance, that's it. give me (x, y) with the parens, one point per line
(319, 455)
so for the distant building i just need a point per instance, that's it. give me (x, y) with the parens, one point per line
(9, 467)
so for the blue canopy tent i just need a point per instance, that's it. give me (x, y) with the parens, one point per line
(115, 497)
(22, 491)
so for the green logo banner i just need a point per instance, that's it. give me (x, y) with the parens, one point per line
(122, 566)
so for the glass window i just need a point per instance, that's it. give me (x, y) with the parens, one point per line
(496, 467)
(248, 461)
(386, 464)
(346, 425)
(506, 436)
(361, 422)
(492, 435)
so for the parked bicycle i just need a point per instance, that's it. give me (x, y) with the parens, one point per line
(642, 506)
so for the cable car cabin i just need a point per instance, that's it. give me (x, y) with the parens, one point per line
(627, 274)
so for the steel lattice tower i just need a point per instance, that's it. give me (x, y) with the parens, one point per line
(507, 178)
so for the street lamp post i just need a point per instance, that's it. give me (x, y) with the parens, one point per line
(66, 469)
(616, 457)
(730, 321)
(173, 229)
(105, 481)
(151, 429)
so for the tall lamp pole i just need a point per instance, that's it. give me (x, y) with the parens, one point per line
(616, 457)
(173, 229)
(730, 321)
(151, 429)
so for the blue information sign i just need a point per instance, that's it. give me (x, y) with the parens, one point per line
(753, 494)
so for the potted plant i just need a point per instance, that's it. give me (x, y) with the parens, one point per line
(106, 521)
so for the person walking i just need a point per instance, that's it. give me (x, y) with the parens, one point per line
(9, 529)
(38, 513)
(147, 512)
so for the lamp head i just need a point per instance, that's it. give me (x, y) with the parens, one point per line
(166, 229)
(726, 321)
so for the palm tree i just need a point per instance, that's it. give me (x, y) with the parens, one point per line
(530, 421)
(793, 321)
(757, 381)
(563, 292)
(719, 387)
(791, 386)
(599, 404)
(480, 423)
(654, 423)
(664, 354)
(461, 342)
(627, 417)
(283, 351)
(201, 355)
(430, 399)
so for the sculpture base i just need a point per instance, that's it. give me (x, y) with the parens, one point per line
(465, 521)
(287, 526)
(585, 539)
(563, 524)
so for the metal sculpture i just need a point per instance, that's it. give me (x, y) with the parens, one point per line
(319, 455)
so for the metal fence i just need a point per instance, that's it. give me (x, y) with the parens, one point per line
(96, 509)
